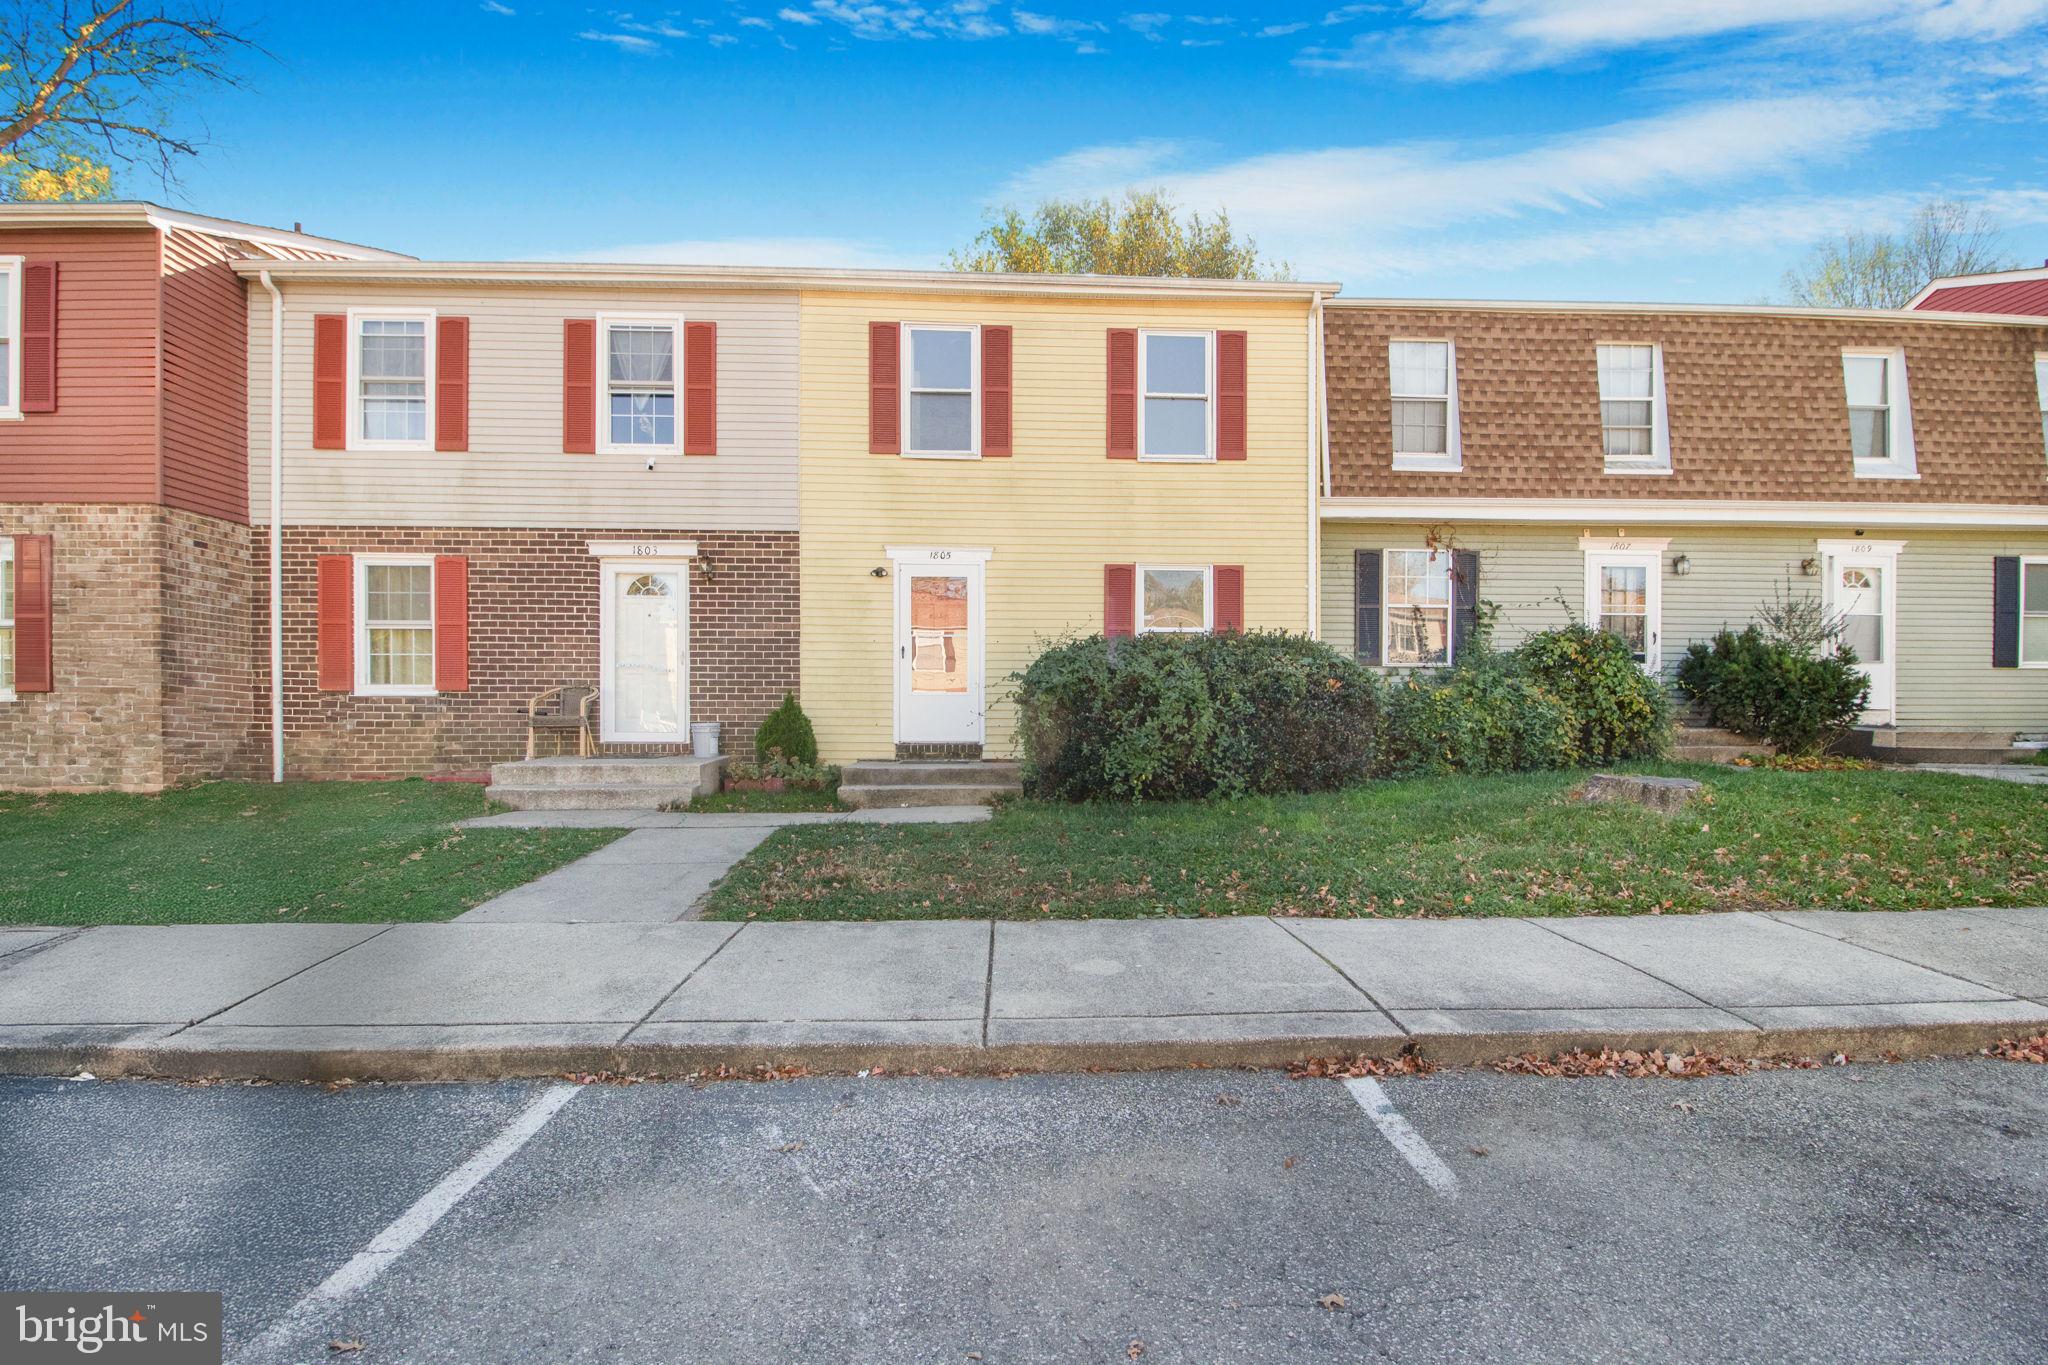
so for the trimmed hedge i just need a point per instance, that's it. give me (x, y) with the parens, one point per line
(787, 732)
(1774, 690)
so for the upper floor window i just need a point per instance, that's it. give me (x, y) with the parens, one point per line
(1423, 377)
(1634, 434)
(10, 336)
(394, 626)
(6, 618)
(389, 383)
(639, 395)
(1176, 419)
(1174, 601)
(940, 401)
(1417, 608)
(2041, 392)
(1880, 416)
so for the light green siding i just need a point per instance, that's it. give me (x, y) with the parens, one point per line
(1534, 575)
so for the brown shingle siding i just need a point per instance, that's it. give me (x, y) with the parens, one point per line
(1756, 406)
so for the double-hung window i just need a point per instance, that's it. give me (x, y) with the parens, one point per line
(6, 619)
(1880, 414)
(10, 336)
(1423, 379)
(942, 401)
(394, 626)
(389, 360)
(1634, 433)
(1417, 613)
(1174, 601)
(1176, 381)
(639, 392)
(2034, 613)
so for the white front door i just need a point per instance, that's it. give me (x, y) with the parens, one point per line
(644, 624)
(1861, 597)
(939, 649)
(1625, 597)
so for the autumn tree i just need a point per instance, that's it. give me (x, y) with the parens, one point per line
(87, 89)
(1885, 270)
(1143, 234)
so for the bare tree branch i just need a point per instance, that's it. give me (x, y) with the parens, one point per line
(1885, 270)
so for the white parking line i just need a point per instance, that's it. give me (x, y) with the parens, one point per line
(387, 1246)
(1404, 1139)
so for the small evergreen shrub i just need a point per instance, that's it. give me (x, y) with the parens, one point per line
(1486, 715)
(1619, 711)
(1180, 717)
(787, 733)
(1768, 689)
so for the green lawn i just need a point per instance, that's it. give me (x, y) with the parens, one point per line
(789, 799)
(231, 852)
(1438, 847)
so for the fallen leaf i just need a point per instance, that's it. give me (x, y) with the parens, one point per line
(1288, 1164)
(790, 1147)
(1333, 1302)
(345, 1347)
(1476, 1151)
(1136, 1348)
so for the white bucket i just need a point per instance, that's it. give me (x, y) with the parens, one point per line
(704, 739)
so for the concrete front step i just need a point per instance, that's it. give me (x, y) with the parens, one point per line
(1713, 753)
(602, 772)
(1908, 754)
(632, 796)
(875, 796)
(933, 772)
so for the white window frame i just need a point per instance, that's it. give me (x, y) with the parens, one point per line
(356, 318)
(7, 622)
(11, 267)
(1659, 459)
(2025, 662)
(1208, 339)
(605, 323)
(1452, 457)
(364, 687)
(909, 364)
(2041, 390)
(1450, 607)
(1630, 552)
(1900, 463)
(1208, 573)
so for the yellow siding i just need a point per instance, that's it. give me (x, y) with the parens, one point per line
(1052, 515)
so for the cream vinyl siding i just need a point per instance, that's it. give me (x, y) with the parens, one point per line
(1945, 677)
(1052, 514)
(514, 472)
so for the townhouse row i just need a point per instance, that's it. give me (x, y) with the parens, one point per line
(270, 502)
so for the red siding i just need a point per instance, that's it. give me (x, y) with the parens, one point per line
(100, 445)
(205, 380)
(2020, 298)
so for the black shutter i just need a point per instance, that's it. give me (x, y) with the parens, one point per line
(1365, 573)
(1464, 599)
(2005, 612)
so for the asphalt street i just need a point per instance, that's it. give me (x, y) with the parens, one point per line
(1862, 1213)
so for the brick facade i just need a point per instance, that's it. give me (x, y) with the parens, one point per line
(149, 651)
(533, 621)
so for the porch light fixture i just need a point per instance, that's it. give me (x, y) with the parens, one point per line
(879, 571)
(1681, 566)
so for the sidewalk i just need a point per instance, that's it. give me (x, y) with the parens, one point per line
(477, 1000)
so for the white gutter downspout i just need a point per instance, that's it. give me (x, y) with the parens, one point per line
(276, 528)
(1316, 413)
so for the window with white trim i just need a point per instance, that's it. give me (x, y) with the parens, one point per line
(639, 390)
(390, 372)
(394, 626)
(2034, 613)
(1422, 379)
(10, 336)
(1176, 381)
(1174, 601)
(1880, 414)
(1416, 616)
(1634, 432)
(2041, 393)
(942, 401)
(6, 619)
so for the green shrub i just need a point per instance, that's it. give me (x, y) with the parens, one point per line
(1621, 712)
(1486, 715)
(1178, 717)
(787, 732)
(1771, 690)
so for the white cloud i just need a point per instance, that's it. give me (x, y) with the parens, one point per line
(1147, 25)
(797, 16)
(880, 20)
(754, 21)
(1201, 42)
(829, 252)
(493, 7)
(625, 42)
(722, 40)
(660, 28)
(1280, 30)
(1046, 26)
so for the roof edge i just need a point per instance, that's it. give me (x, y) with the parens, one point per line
(2037, 272)
(142, 213)
(1774, 310)
(1682, 511)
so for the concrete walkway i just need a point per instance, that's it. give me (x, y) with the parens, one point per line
(477, 1000)
(2026, 774)
(658, 872)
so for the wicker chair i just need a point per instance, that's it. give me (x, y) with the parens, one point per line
(563, 709)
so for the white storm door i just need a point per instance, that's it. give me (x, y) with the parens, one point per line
(1625, 597)
(939, 650)
(1861, 595)
(645, 625)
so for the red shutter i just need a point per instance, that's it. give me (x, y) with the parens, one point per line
(451, 384)
(1123, 393)
(885, 377)
(579, 386)
(451, 623)
(330, 381)
(39, 336)
(337, 623)
(700, 388)
(1230, 396)
(1119, 599)
(995, 391)
(34, 568)
(1227, 613)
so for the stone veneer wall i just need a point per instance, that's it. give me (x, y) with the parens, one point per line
(533, 623)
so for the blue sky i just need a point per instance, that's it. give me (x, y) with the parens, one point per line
(1612, 149)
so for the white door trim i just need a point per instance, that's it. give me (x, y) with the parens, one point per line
(973, 566)
(1837, 554)
(607, 572)
(1637, 553)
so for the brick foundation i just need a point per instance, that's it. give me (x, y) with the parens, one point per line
(533, 609)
